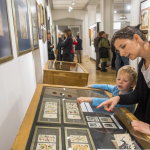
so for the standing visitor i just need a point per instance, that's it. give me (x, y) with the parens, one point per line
(78, 49)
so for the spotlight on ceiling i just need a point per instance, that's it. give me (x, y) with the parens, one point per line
(115, 11)
(72, 3)
(128, 7)
(70, 7)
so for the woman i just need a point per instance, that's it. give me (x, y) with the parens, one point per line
(103, 43)
(132, 43)
(67, 45)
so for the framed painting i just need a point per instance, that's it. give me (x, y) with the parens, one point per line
(41, 14)
(34, 24)
(145, 15)
(39, 20)
(21, 25)
(6, 53)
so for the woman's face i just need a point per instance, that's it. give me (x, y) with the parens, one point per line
(128, 48)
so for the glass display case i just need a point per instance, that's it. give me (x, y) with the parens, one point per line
(55, 121)
(65, 73)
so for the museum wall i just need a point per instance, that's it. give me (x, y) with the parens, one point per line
(75, 14)
(19, 78)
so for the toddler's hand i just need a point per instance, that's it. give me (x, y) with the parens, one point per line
(89, 86)
(84, 99)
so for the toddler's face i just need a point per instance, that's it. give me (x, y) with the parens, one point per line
(124, 82)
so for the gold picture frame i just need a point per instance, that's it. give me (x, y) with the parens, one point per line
(72, 123)
(8, 58)
(80, 129)
(40, 113)
(28, 24)
(43, 127)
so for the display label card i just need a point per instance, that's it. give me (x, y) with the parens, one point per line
(80, 146)
(105, 119)
(94, 125)
(49, 115)
(74, 117)
(78, 139)
(46, 138)
(109, 125)
(91, 118)
(46, 146)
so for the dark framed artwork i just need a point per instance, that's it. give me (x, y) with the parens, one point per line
(34, 24)
(49, 24)
(6, 53)
(39, 20)
(46, 20)
(21, 25)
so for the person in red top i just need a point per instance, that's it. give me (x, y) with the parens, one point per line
(75, 42)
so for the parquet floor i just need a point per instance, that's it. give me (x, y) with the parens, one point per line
(96, 76)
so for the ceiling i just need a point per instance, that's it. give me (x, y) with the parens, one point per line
(82, 4)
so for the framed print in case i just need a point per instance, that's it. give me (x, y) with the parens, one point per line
(78, 138)
(34, 24)
(72, 113)
(46, 138)
(50, 111)
(21, 25)
(39, 20)
(6, 53)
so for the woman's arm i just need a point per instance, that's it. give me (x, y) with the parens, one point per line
(75, 43)
(106, 87)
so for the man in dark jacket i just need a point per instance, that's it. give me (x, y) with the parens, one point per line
(78, 49)
(50, 48)
(96, 41)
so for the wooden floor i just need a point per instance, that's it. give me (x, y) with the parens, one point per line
(96, 76)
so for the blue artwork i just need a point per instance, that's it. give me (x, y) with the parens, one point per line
(5, 38)
(22, 30)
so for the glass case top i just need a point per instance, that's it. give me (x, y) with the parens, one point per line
(57, 65)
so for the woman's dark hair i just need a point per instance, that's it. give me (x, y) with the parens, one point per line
(68, 32)
(128, 32)
(102, 32)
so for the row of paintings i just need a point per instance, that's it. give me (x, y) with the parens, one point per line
(27, 25)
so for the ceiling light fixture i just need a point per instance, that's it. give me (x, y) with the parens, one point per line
(123, 17)
(72, 3)
(115, 11)
(128, 7)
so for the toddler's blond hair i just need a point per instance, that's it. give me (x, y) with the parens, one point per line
(130, 70)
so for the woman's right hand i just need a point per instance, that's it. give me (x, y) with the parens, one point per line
(84, 99)
(110, 103)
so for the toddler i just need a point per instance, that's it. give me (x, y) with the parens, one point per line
(125, 81)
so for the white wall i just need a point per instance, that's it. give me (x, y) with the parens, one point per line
(18, 81)
(76, 14)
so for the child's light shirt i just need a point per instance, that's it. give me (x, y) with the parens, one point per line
(112, 89)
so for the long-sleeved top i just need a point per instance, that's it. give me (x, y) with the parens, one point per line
(96, 41)
(74, 43)
(79, 45)
(140, 95)
(67, 45)
(112, 89)
(50, 49)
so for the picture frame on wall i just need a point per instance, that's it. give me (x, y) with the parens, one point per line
(6, 53)
(145, 17)
(41, 14)
(21, 26)
(39, 20)
(34, 24)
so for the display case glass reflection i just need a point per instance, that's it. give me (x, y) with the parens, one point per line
(50, 111)
(56, 65)
(78, 138)
(72, 113)
(46, 138)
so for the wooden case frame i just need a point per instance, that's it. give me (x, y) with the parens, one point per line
(35, 132)
(47, 122)
(7, 58)
(88, 131)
